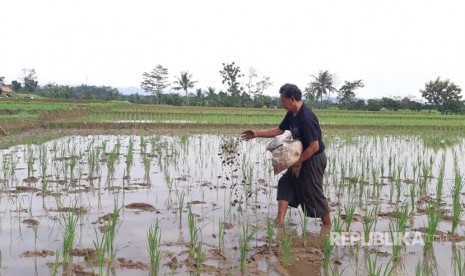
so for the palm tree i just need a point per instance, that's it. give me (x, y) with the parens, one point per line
(322, 84)
(184, 82)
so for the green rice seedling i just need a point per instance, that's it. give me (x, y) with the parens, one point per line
(110, 234)
(193, 232)
(220, 234)
(457, 211)
(30, 164)
(269, 231)
(394, 237)
(337, 223)
(153, 240)
(286, 250)
(143, 145)
(412, 197)
(459, 264)
(56, 264)
(440, 182)
(129, 156)
(349, 210)
(244, 241)
(424, 179)
(418, 269)
(303, 226)
(69, 232)
(328, 247)
(369, 222)
(72, 166)
(147, 164)
(180, 206)
(99, 246)
(111, 161)
(402, 217)
(433, 221)
(375, 269)
(199, 255)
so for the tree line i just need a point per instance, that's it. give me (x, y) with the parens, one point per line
(247, 90)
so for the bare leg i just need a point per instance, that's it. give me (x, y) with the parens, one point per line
(326, 219)
(282, 209)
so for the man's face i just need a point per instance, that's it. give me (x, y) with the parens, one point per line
(287, 103)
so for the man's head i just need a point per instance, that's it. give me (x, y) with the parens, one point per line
(290, 95)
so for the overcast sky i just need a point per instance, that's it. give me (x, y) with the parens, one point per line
(393, 46)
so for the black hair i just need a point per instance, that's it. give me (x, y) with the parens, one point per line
(291, 91)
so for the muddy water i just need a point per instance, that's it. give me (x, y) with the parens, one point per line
(220, 178)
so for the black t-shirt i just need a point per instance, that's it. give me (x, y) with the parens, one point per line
(304, 127)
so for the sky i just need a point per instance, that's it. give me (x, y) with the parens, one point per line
(393, 46)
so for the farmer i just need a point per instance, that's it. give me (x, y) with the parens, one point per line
(307, 188)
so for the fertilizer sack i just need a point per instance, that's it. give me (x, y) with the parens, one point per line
(285, 151)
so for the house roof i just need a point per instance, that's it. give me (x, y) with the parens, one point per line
(5, 89)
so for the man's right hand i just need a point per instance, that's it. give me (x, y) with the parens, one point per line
(248, 134)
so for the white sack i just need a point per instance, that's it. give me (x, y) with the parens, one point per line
(284, 152)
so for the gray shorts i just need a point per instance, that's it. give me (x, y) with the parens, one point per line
(307, 189)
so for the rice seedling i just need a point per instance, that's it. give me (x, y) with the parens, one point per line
(30, 164)
(286, 247)
(349, 210)
(220, 234)
(244, 241)
(56, 263)
(269, 231)
(180, 206)
(412, 197)
(147, 161)
(328, 247)
(153, 240)
(440, 182)
(194, 232)
(110, 233)
(72, 166)
(459, 264)
(369, 223)
(457, 211)
(129, 156)
(433, 221)
(111, 161)
(303, 226)
(69, 232)
(375, 269)
(99, 246)
(199, 255)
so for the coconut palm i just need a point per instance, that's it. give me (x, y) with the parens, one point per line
(184, 82)
(322, 85)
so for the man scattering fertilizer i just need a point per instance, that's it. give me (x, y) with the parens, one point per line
(306, 189)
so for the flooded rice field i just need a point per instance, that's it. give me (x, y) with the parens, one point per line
(205, 204)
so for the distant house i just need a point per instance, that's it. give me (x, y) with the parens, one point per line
(5, 90)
